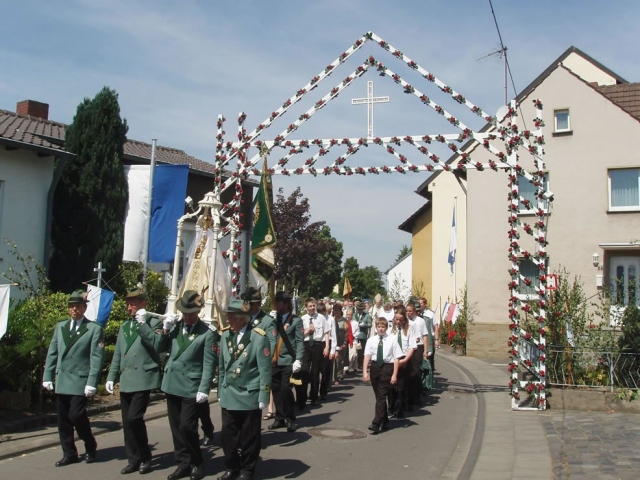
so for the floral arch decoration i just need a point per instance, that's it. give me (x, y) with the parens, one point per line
(527, 353)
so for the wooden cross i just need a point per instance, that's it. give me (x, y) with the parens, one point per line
(369, 101)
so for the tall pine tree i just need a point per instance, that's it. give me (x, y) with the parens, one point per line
(90, 200)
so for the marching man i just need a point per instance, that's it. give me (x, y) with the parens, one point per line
(137, 366)
(243, 391)
(74, 363)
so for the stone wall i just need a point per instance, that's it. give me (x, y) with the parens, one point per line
(487, 340)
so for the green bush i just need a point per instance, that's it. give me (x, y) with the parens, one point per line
(24, 347)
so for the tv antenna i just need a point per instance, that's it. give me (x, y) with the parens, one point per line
(501, 53)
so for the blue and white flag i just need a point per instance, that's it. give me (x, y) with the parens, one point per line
(4, 308)
(167, 206)
(453, 242)
(99, 306)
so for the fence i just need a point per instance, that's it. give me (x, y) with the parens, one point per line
(568, 367)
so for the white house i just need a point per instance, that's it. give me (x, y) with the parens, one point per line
(399, 278)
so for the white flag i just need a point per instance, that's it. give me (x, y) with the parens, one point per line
(453, 242)
(4, 309)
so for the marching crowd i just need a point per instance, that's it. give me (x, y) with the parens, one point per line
(272, 364)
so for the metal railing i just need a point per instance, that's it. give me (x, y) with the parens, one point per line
(569, 367)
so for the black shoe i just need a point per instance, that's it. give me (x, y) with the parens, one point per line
(245, 476)
(314, 403)
(132, 467)
(67, 461)
(90, 456)
(400, 416)
(180, 472)
(291, 426)
(385, 424)
(277, 424)
(229, 475)
(208, 441)
(323, 397)
(145, 467)
(375, 429)
(197, 472)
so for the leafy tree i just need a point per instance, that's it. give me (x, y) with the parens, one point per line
(90, 200)
(321, 283)
(302, 246)
(365, 282)
(404, 251)
(629, 341)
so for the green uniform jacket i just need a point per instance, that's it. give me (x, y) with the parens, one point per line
(295, 334)
(364, 321)
(74, 363)
(268, 324)
(432, 343)
(136, 362)
(244, 377)
(192, 359)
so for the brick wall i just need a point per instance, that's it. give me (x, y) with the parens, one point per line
(487, 340)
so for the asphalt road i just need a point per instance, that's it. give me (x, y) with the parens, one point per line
(432, 442)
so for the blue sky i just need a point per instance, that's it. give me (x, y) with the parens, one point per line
(177, 65)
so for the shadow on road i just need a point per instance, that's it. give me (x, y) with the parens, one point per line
(281, 469)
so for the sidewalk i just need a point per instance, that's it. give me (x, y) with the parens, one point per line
(506, 444)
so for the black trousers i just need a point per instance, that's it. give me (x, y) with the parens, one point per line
(317, 362)
(133, 406)
(282, 390)
(183, 420)
(381, 383)
(415, 377)
(72, 413)
(241, 431)
(204, 413)
(400, 392)
(326, 371)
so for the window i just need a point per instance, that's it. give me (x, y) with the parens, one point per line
(528, 191)
(623, 278)
(562, 123)
(624, 193)
(529, 286)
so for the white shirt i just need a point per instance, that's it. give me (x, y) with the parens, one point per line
(320, 326)
(408, 341)
(419, 329)
(389, 316)
(240, 333)
(332, 334)
(355, 330)
(390, 348)
(75, 324)
(377, 312)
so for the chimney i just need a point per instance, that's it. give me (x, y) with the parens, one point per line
(33, 108)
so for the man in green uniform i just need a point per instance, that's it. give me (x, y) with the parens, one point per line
(74, 363)
(187, 379)
(243, 390)
(364, 323)
(287, 361)
(136, 365)
(253, 298)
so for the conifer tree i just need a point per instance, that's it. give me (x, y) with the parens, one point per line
(90, 200)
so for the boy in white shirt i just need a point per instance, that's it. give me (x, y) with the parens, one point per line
(383, 352)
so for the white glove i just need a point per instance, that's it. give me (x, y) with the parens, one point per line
(168, 322)
(109, 387)
(429, 354)
(297, 366)
(201, 397)
(141, 315)
(338, 349)
(361, 324)
(261, 405)
(47, 386)
(89, 391)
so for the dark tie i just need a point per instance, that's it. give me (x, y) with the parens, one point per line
(74, 328)
(380, 354)
(311, 340)
(400, 338)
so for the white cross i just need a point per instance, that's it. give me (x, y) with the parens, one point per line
(99, 270)
(369, 101)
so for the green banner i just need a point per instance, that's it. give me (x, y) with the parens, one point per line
(264, 236)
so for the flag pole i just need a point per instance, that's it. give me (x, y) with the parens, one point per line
(145, 249)
(455, 270)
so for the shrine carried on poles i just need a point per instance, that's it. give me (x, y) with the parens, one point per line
(505, 141)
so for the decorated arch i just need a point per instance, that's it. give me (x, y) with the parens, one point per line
(501, 137)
